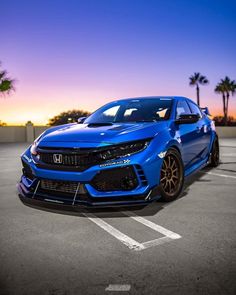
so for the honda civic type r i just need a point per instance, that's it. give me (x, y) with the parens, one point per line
(130, 151)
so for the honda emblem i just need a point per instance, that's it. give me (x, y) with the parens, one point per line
(57, 158)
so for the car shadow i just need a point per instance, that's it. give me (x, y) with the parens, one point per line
(219, 168)
(117, 212)
(227, 170)
(227, 163)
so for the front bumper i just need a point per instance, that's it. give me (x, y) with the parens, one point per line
(32, 195)
(145, 165)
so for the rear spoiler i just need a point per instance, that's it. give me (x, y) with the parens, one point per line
(206, 111)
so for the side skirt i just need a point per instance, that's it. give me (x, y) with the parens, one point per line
(196, 166)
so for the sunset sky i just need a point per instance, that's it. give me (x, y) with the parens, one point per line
(82, 54)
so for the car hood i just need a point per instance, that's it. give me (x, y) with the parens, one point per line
(79, 134)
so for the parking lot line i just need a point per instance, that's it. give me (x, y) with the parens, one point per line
(156, 242)
(129, 242)
(153, 225)
(118, 287)
(221, 175)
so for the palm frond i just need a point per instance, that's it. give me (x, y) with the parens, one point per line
(203, 80)
(3, 74)
(6, 86)
(6, 83)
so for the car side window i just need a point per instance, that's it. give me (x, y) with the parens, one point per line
(195, 109)
(182, 108)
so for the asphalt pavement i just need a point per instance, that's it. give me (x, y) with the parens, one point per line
(183, 247)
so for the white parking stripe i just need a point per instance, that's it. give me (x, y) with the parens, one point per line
(156, 242)
(119, 288)
(221, 175)
(129, 242)
(153, 226)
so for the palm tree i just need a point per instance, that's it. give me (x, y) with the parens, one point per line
(220, 88)
(232, 90)
(6, 83)
(226, 87)
(195, 80)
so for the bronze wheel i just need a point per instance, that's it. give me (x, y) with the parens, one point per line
(171, 178)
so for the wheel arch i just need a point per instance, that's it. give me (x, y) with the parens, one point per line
(174, 144)
(176, 148)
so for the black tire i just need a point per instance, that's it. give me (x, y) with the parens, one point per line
(214, 159)
(171, 176)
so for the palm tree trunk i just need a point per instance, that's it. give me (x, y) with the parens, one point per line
(198, 98)
(224, 108)
(227, 107)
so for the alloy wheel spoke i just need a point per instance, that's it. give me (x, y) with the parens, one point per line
(169, 161)
(163, 178)
(165, 184)
(172, 181)
(173, 165)
(164, 164)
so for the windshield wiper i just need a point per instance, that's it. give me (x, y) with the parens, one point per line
(140, 121)
(100, 124)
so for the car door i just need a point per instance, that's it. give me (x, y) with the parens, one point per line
(186, 134)
(203, 134)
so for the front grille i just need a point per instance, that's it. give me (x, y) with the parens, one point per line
(68, 187)
(70, 159)
(116, 179)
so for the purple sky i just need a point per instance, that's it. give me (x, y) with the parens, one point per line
(82, 54)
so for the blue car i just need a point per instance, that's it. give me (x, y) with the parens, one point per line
(128, 152)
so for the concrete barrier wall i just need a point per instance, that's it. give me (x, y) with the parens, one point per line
(20, 133)
(12, 134)
(226, 132)
(29, 133)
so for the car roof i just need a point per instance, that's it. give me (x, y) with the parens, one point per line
(153, 97)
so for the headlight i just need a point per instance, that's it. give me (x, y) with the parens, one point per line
(33, 149)
(123, 150)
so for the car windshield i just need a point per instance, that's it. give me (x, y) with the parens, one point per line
(134, 110)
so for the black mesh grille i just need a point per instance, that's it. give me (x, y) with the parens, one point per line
(117, 179)
(68, 187)
(70, 160)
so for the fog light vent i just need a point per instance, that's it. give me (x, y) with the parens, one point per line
(117, 179)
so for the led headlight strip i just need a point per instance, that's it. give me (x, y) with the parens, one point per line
(123, 150)
(33, 148)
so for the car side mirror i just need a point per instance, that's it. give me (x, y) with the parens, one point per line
(187, 119)
(206, 111)
(81, 120)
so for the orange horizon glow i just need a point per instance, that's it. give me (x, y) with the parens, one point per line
(16, 111)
